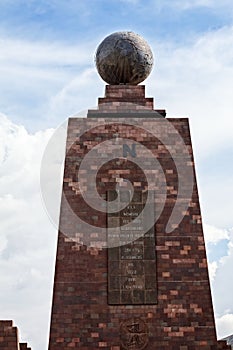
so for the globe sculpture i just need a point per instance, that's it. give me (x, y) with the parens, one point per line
(124, 58)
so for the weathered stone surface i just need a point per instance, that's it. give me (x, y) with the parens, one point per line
(124, 58)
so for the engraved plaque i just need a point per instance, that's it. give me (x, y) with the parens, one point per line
(131, 260)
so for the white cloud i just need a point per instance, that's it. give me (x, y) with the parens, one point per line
(193, 80)
(72, 94)
(216, 189)
(32, 74)
(221, 276)
(214, 234)
(196, 81)
(221, 279)
(225, 325)
(27, 53)
(212, 270)
(27, 238)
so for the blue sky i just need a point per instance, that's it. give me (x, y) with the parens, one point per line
(39, 37)
(73, 21)
(47, 73)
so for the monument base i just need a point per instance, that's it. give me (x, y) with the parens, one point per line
(101, 293)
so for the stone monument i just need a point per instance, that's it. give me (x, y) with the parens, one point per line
(131, 270)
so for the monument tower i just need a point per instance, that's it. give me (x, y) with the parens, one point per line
(131, 270)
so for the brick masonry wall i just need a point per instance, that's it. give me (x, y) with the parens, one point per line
(81, 316)
(9, 337)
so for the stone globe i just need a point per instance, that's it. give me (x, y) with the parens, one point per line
(124, 58)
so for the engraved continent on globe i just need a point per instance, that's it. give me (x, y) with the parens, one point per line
(124, 58)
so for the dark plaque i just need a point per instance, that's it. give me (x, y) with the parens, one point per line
(133, 334)
(131, 252)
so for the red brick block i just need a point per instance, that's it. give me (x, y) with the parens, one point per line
(9, 339)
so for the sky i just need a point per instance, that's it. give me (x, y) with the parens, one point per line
(47, 73)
